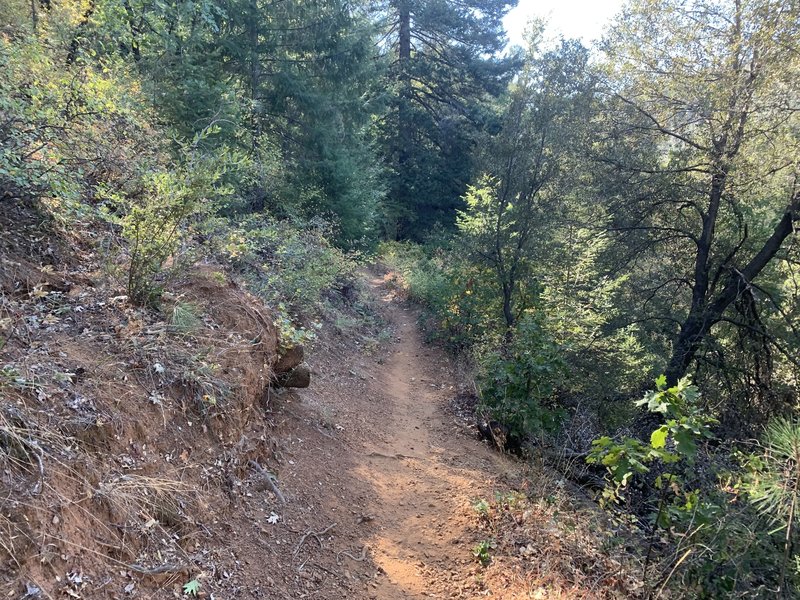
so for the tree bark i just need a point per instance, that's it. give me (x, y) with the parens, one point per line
(255, 63)
(135, 31)
(508, 309)
(697, 324)
(404, 67)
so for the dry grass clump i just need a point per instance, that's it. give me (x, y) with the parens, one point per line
(15, 538)
(47, 488)
(547, 546)
(21, 446)
(150, 499)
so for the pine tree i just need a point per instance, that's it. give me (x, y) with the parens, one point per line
(314, 97)
(445, 63)
(288, 82)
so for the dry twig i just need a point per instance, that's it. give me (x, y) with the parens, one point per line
(315, 535)
(156, 570)
(350, 556)
(269, 478)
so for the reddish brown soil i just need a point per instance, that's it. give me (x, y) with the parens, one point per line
(373, 458)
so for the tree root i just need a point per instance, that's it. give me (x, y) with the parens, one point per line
(155, 570)
(351, 557)
(269, 479)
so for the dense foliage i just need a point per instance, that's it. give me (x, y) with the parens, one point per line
(445, 65)
(634, 215)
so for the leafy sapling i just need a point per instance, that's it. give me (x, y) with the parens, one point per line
(191, 588)
(675, 440)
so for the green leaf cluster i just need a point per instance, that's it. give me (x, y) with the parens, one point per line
(675, 440)
(517, 380)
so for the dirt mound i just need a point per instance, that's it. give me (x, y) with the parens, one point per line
(122, 429)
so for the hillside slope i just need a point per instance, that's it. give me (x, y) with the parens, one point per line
(144, 454)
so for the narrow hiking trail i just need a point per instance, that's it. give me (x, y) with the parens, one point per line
(379, 474)
(363, 485)
(394, 469)
(426, 473)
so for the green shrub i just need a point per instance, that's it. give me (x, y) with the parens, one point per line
(730, 556)
(185, 317)
(154, 223)
(285, 263)
(675, 440)
(518, 379)
(456, 293)
(154, 229)
(482, 551)
(737, 540)
(733, 539)
(293, 268)
(64, 132)
(773, 487)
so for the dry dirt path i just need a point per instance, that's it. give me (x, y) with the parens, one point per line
(425, 470)
(380, 477)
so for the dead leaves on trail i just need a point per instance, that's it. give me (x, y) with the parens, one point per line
(546, 547)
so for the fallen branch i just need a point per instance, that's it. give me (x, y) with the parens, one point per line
(38, 454)
(573, 465)
(315, 535)
(562, 454)
(269, 479)
(350, 556)
(155, 570)
(327, 435)
(328, 571)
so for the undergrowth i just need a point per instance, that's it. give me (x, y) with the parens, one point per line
(709, 519)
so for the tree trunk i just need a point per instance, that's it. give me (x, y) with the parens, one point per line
(255, 69)
(508, 310)
(692, 333)
(255, 65)
(404, 68)
(74, 45)
(699, 323)
(135, 31)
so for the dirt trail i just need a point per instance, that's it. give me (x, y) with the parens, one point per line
(379, 475)
(426, 472)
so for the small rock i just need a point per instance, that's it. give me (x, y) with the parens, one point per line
(299, 377)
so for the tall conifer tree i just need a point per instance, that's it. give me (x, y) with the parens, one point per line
(446, 62)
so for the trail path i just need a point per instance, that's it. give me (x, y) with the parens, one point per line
(372, 455)
(426, 472)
